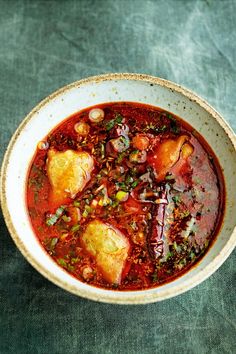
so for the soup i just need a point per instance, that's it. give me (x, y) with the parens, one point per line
(125, 196)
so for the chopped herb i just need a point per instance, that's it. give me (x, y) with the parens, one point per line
(174, 127)
(120, 157)
(184, 214)
(75, 260)
(34, 182)
(129, 179)
(70, 267)
(120, 144)
(150, 126)
(52, 220)
(125, 141)
(163, 128)
(119, 118)
(88, 208)
(156, 128)
(181, 263)
(88, 197)
(51, 243)
(169, 255)
(169, 177)
(154, 276)
(59, 211)
(76, 203)
(110, 124)
(113, 122)
(134, 184)
(75, 228)
(54, 241)
(177, 248)
(169, 271)
(176, 199)
(138, 157)
(62, 262)
(133, 171)
(170, 117)
(85, 214)
(206, 243)
(192, 255)
(121, 184)
(66, 218)
(54, 217)
(104, 201)
(114, 203)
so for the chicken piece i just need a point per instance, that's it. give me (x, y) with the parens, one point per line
(68, 173)
(109, 247)
(166, 155)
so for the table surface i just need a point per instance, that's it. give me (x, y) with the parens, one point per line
(47, 44)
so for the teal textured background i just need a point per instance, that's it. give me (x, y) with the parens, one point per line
(47, 44)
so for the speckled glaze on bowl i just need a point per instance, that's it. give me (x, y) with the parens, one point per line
(102, 89)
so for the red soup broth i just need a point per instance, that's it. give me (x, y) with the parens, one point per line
(125, 196)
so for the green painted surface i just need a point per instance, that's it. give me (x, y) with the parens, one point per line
(47, 44)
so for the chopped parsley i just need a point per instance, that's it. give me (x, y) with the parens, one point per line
(154, 276)
(176, 199)
(134, 184)
(117, 120)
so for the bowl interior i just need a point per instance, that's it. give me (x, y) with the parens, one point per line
(94, 91)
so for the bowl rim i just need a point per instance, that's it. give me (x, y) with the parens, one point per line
(142, 297)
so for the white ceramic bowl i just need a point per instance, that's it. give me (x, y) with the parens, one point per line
(102, 89)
